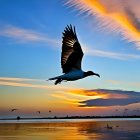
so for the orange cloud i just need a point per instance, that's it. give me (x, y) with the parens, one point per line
(117, 15)
(85, 93)
(95, 93)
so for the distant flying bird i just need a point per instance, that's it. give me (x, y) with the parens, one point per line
(12, 110)
(38, 112)
(71, 58)
(50, 111)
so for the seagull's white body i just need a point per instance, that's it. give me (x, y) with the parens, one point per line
(71, 76)
(71, 58)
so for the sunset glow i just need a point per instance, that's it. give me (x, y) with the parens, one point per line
(30, 54)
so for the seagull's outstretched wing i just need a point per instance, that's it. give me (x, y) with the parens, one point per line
(71, 56)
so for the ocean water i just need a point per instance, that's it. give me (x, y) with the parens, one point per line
(70, 129)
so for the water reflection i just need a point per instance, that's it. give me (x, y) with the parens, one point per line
(85, 130)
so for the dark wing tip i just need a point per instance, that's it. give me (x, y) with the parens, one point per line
(71, 31)
(69, 27)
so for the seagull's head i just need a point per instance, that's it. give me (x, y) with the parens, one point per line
(89, 73)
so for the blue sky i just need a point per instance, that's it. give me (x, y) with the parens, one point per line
(30, 38)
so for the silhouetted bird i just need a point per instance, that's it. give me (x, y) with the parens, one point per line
(38, 112)
(71, 58)
(12, 110)
(50, 111)
(109, 127)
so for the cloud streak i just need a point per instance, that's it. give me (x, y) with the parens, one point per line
(30, 83)
(109, 102)
(109, 54)
(22, 35)
(119, 16)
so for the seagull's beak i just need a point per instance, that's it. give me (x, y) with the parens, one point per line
(97, 75)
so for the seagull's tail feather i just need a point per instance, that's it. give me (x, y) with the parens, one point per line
(54, 78)
(58, 80)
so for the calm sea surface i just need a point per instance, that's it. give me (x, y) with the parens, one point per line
(70, 129)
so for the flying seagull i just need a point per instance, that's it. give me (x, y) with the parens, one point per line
(71, 58)
(12, 110)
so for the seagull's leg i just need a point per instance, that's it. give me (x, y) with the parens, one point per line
(58, 81)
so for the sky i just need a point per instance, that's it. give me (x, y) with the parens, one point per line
(30, 52)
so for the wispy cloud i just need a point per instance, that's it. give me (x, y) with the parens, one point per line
(18, 79)
(109, 54)
(128, 83)
(119, 16)
(22, 35)
(30, 83)
(109, 102)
